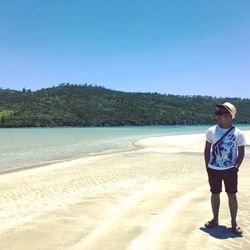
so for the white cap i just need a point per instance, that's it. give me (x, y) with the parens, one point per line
(230, 107)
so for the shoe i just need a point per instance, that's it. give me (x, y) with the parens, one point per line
(211, 224)
(237, 230)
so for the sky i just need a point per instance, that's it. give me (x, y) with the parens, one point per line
(180, 47)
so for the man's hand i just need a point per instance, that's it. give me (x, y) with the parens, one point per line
(237, 167)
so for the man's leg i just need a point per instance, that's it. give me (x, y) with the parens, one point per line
(215, 203)
(231, 182)
(215, 182)
(233, 206)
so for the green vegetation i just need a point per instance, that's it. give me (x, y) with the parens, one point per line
(87, 105)
(5, 113)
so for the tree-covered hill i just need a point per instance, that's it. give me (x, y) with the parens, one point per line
(87, 105)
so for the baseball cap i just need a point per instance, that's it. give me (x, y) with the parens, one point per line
(230, 107)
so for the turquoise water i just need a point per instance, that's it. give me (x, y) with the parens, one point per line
(24, 147)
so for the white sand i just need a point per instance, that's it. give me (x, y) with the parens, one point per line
(154, 198)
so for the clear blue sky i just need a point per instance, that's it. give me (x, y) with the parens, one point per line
(186, 47)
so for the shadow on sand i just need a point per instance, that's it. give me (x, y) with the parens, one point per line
(220, 232)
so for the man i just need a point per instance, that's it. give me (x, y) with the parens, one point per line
(224, 153)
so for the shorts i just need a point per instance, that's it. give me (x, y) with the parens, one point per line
(229, 177)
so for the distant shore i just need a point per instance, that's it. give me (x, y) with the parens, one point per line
(87, 105)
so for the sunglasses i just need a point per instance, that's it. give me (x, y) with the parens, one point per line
(221, 112)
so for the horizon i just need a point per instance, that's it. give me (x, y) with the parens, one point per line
(130, 92)
(178, 48)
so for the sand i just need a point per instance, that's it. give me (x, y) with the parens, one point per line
(154, 198)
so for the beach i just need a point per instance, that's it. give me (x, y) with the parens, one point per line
(153, 198)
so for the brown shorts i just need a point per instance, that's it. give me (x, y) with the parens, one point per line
(229, 177)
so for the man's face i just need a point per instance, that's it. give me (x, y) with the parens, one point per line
(222, 114)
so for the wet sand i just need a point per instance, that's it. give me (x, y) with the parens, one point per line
(153, 198)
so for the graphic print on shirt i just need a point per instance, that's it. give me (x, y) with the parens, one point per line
(225, 152)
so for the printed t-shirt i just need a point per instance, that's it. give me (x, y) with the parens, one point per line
(223, 156)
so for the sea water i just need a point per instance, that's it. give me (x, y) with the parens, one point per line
(25, 147)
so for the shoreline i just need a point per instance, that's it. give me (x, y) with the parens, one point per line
(160, 143)
(130, 147)
(74, 158)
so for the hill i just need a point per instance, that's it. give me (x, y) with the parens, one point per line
(87, 105)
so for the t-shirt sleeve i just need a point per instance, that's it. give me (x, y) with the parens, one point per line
(208, 136)
(241, 141)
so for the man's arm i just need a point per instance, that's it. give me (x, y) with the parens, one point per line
(241, 154)
(207, 152)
